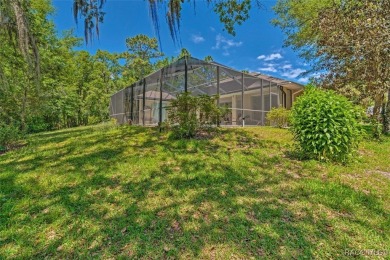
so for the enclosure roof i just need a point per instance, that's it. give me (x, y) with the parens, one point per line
(178, 67)
(152, 94)
(281, 82)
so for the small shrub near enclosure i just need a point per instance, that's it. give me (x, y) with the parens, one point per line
(279, 117)
(187, 114)
(325, 125)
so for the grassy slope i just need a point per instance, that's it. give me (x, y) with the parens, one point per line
(126, 191)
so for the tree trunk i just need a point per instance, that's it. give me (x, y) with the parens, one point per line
(375, 120)
(377, 106)
(23, 112)
(386, 114)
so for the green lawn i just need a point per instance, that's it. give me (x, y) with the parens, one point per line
(130, 192)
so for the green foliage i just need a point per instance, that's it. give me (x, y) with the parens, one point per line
(279, 117)
(184, 53)
(37, 124)
(73, 87)
(292, 17)
(209, 113)
(182, 115)
(141, 49)
(232, 12)
(9, 135)
(376, 128)
(78, 194)
(325, 125)
(334, 35)
(187, 114)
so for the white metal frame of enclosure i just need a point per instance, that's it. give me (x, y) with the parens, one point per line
(237, 90)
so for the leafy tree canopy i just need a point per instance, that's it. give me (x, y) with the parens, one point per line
(348, 42)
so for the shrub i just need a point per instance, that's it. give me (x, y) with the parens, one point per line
(209, 113)
(325, 125)
(9, 134)
(187, 114)
(36, 124)
(279, 117)
(182, 115)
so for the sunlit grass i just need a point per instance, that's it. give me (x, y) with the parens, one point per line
(109, 192)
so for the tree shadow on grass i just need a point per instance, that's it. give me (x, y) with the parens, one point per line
(202, 199)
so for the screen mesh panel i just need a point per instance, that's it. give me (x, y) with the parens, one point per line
(152, 100)
(117, 108)
(248, 97)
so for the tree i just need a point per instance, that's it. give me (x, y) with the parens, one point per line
(141, 50)
(295, 18)
(73, 87)
(24, 30)
(106, 79)
(16, 21)
(93, 15)
(184, 53)
(349, 43)
(208, 59)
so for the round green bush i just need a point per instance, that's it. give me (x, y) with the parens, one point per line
(325, 125)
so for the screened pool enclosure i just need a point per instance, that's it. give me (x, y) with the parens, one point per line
(248, 96)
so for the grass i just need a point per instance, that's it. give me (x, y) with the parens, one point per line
(130, 192)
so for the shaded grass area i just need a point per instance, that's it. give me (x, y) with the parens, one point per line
(130, 192)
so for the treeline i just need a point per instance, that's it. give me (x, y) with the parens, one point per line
(54, 86)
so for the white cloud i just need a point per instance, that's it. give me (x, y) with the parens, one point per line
(275, 63)
(269, 69)
(303, 80)
(225, 44)
(273, 56)
(293, 73)
(212, 29)
(316, 75)
(197, 38)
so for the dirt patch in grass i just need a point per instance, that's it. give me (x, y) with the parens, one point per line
(383, 173)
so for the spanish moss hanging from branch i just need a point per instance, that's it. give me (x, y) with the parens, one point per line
(14, 19)
(93, 15)
(153, 10)
(231, 13)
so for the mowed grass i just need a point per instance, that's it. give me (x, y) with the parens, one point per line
(131, 192)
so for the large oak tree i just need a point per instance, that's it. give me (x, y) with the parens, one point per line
(349, 42)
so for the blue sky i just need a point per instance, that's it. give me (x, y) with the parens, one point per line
(257, 46)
